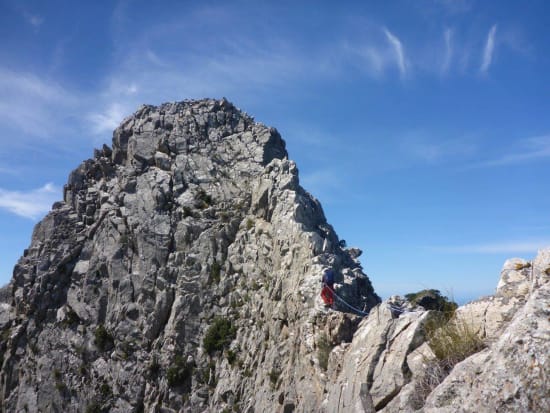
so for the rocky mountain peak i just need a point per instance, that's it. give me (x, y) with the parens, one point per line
(182, 270)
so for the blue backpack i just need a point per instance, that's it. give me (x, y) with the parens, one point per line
(328, 277)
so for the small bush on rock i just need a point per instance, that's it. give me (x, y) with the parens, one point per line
(179, 373)
(274, 375)
(451, 341)
(103, 339)
(215, 272)
(219, 335)
(433, 300)
(203, 200)
(520, 266)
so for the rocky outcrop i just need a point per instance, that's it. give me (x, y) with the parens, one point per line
(374, 367)
(390, 367)
(489, 315)
(513, 373)
(181, 273)
(195, 215)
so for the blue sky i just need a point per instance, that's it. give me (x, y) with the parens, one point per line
(422, 126)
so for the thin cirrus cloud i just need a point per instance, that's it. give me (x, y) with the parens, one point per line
(29, 204)
(448, 56)
(529, 150)
(398, 51)
(489, 50)
(238, 72)
(31, 103)
(374, 55)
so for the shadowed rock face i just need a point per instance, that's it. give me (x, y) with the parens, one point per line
(194, 213)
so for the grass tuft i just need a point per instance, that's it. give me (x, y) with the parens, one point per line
(324, 348)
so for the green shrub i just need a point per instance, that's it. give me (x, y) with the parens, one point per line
(215, 272)
(153, 367)
(520, 266)
(202, 199)
(433, 300)
(324, 348)
(71, 318)
(94, 407)
(180, 373)
(219, 335)
(61, 387)
(274, 375)
(105, 390)
(231, 357)
(249, 223)
(187, 212)
(103, 339)
(57, 374)
(83, 369)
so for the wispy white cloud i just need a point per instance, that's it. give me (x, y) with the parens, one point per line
(107, 120)
(510, 247)
(489, 50)
(397, 49)
(30, 204)
(155, 59)
(376, 51)
(423, 146)
(34, 19)
(31, 103)
(528, 150)
(448, 56)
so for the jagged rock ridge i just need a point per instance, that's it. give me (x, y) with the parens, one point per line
(195, 215)
(181, 273)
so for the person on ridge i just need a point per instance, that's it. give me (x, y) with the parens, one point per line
(327, 292)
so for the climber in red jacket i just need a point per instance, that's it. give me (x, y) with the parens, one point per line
(327, 292)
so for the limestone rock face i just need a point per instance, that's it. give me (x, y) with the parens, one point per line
(181, 273)
(375, 366)
(389, 366)
(195, 215)
(490, 315)
(512, 374)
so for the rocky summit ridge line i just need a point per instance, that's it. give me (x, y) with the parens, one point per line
(181, 273)
(194, 216)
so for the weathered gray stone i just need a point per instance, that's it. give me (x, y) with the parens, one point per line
(375, 364)
(195, 213)
(512, 374)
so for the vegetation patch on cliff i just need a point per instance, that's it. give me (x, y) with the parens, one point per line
(451, 340)
(219, 335)
(432, 299)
